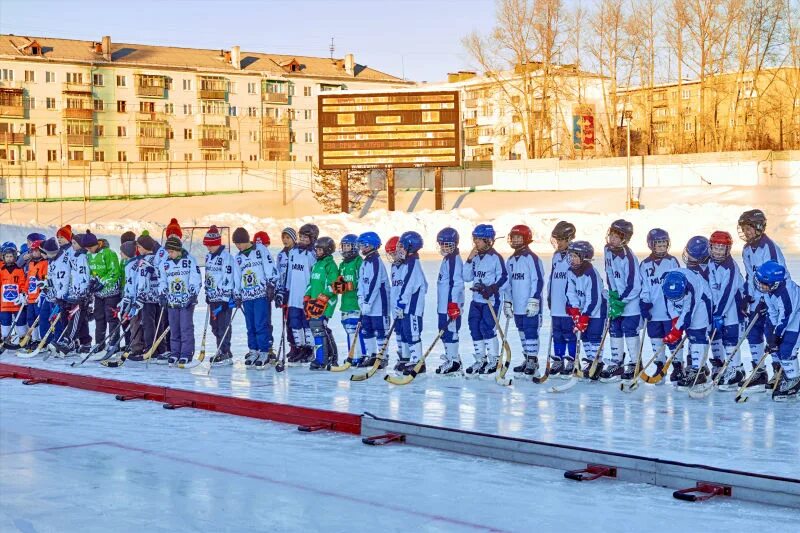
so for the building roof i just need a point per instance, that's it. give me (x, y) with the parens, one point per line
(125, 54)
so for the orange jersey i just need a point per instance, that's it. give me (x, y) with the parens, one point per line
(37, 271)
(12, 283)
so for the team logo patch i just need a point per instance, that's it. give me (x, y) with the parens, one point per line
(249, 279)
(177, 286)
(211, 284)
(10, 292)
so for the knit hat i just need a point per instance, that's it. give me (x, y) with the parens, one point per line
(146, 242)
(33, 237)
(261, 237)
(65, 231)
(50, 246)
(173, 228)
(128, 249)
(240, 236)
(291, 233)
(88, 239)
(213, 237)
(145, 232)
(128, 236)
(173, 244)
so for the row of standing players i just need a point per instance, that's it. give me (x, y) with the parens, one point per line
(709, 300)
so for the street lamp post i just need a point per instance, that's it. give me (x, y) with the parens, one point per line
(628, 184)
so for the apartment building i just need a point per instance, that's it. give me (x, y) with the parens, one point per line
(69, 102)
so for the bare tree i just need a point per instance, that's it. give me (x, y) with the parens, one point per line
(642, 28)
(326, 188)
(675, 21)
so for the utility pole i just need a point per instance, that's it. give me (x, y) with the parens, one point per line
(628, 116)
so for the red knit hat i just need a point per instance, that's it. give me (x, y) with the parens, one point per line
(173, 228)
(261, 237)
(65, 231)
(213, 237)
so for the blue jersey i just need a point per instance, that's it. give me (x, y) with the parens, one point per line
(783, 307)
(525, 280)
(557, 288)
(756, 255)
(693, 311)
(450, 284)
(488, 269)
(585, 291)
(622, 275)
(651, 274)
(414, 287)
(727, 286)
(373, 286)
(300, 263)
(396, 274)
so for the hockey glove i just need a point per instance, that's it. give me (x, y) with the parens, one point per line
(338, 286)
(761, 306)
(508, 309)
(270, 289)
(453, 311)
(90, 308)
(22, 299)
(281, 296)
(674, 335)
(400, 311)
(744, 308)
(646, 310)
(533, 307)
(162, 300)
(95, 286)
(192, 300)
(719, 323)
(315, 308)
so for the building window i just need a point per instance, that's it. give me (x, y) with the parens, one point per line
(169, 109)
(307, 114)
(291, 89)
(309, 137)
(306, 91)
(98, 79)
(309, 159)
(52, 155)
(688, 126)
(122, 131)
(51, 130)
(187, 85)
(6, 74)
(49, 77)
(122, 156)
(75, 155)
(252, 111)
(253, 157)
(121, 106)
(253, 136)
(251, 88)
(30, 76)
(99, 105)
(187, 109)
(74, 77)
(686, 94)
(170, 133)
(50, 103)
(187, 157)
(30, 129)
(234, 135)
(30, 155)
(147, 107)
(100, 156)
(187, 133)
(233, 111)
(99, 130)
(121, 81)
(29, 103)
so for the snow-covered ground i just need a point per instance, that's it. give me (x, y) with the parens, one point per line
(79, 461)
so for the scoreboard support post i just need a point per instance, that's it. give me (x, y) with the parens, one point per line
(390, 188)
(438, 191)
(344, 192)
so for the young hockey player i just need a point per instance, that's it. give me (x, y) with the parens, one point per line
(25, 251)
(727, 287)
(564, 339)
(523, 296)
(758, 249)
(397, 272)
(689, 304)
(652, 304)
(57, 284)
(14, 297)
(38, 305)
(487, 270)
(410, 305)
(180, 285)
(586, 304)
(148, 297)
(289, 239)
(134, 336)
(782, 297)
(346, 285)
(262, 238)
(320, 303)
(255, 276)
(697, 255)
(301, 261)
(105, 269)
(219, 285)
(373, 296)
(450, 298)
(64, 238)
(76, 303)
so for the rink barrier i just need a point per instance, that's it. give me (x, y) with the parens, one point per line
(747, 486)
(180, 398)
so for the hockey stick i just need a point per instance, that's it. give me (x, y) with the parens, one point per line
(96, 349)
(70, 318)
(597, 357)
(502, 362)
(740, 397)
(656, 378)
(204, 366)
(50, 330)
(638, 366)
(112, 350)
(27, 338)
(408, 378)
(378, 358)
(280, 364)
(155, 345)
(349, 361)
(634, 383)
(705, 359)
(156, 342)
(546, 374)
(707, 388)
(202, 355)
(573, 379)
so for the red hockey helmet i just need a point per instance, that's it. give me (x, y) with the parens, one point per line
(720, 244)
(523, 231)
(391, 245)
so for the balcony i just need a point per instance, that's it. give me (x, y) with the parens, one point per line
(275, 98)
(12, 111)
(11, 101)
(151, 142)
(212, 94)
(11, 138)
(76, 139)
(76, 88)
(471, 102)
(214, 143)
(148, 116)
(83, 114)
(147, 91)
(471, 141)
(470, 122)
(210, 119)
(272, 144)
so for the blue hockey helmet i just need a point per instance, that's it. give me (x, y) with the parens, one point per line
(349, 246)
(411, 241)
(655, 236)
(624, 228)
(770, 276)
(697, 251)
(484, 231)
(583, 249)
(447, 235)
(33, 237)
(8, 247)
(24, 248)
(370, 240)
(674, 285)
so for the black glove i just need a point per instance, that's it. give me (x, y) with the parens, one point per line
(280, 297)
(162, 300)
(90, 308)
(192, 299)
(95, 286)
(760, 308)
(270, 291)
(487, 291)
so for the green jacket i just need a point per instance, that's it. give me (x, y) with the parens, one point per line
(349, 271)
(104, 265)
(323, 274)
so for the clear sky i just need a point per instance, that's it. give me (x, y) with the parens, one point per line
(420, 39)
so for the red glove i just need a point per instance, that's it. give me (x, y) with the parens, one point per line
(574, 312)
(674, 335)
(582, 323)
(453, 311)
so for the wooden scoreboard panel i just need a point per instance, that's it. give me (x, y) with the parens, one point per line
(389, 130)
